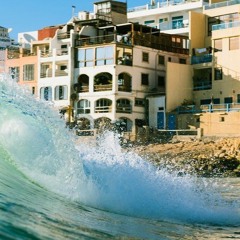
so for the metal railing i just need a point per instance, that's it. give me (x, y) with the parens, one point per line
(221, 4)
(160, 5)
(225, 25)
(201, 59)
(225, 107)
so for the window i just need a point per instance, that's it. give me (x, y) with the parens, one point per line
(228, 100)
(46, 93)
(161, 60)
(83, 107)
(238, 98)
(61, 93)
(149, 22)
(218, 73)
(144, 79)
(104, 56)
(86, 57)
(14, 73)
(182, 61)
(145, 57)
(103, 105)
(205, 101)
(28, 72)
(161, 81)
(177, 22)
(139, 102)
(176, 42)
(218, 45)
(169, 59)
(233, 43)
(221, 119)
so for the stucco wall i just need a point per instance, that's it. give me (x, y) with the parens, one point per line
(216, 124)
(178, 85)
(197, 30)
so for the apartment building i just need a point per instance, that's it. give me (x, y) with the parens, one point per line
(101, 70)
(5, 41)
(216, 76)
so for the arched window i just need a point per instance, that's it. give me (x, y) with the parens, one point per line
(83, 84)
(123, 106)
(103, 82)
(124, 82)
(83, 106)
(103, 105)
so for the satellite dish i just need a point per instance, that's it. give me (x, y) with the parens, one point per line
(9, 30)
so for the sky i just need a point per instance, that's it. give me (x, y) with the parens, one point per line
(31, 15)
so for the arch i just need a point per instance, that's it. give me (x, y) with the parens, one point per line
(124, 82)
(83, 106)
(124, 124)
(103, 123)
(103, 82)
(83, 123)
(83, 84)
(103, 105)
(123, 105)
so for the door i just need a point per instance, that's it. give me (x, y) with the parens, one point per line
(160, 120)
(171, 121)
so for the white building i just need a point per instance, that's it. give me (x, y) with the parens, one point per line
(170, 17)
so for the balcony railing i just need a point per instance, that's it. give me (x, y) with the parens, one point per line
(124, 89)
(202, 85)
(221, 4)
(124, 109)
(100, 88)
(225, 107)
(141, 39)
(161, 4)
(63, 35)
(226, 25)
(46, 54)
(201, 59)
(103, 109)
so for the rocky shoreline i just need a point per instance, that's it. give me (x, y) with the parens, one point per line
(206, 157)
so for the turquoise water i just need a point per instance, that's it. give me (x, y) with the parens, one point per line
(52, 187)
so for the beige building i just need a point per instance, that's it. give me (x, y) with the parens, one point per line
(216, 67)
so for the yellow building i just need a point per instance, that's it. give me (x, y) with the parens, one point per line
(214, 37)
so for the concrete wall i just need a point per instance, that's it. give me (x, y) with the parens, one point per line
(216, 124)
(178, 85)
(197, 30)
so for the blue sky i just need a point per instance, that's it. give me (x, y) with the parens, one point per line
(31, 15)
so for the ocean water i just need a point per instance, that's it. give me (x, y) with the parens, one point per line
(55, 187)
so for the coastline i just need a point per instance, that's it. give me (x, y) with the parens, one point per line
(207, 157)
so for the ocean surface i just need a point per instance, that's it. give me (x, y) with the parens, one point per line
(53, 186)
